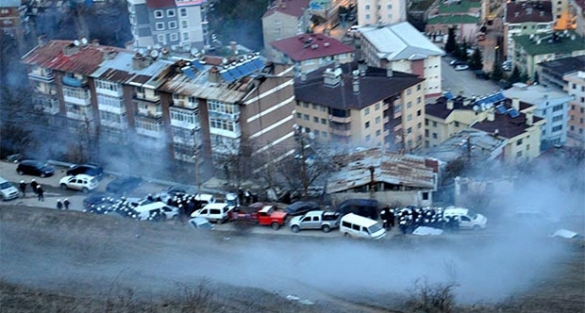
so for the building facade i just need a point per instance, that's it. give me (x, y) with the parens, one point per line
(176, 25)
(576, 88)
(551, 73)
(284, 19)
(403, 48)
(380, 12)
(464, 15)
(526, 18)
(308, 52)
(357, 105)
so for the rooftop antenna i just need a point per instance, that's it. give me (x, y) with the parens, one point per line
(76, 42)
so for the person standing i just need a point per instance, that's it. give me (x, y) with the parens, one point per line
(40, 193)
(66, 204)
(59, 204)
(33, 185)
(22, 187)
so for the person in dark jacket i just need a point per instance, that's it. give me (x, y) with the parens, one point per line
(34, 185)
(40, 193)
(22, 187)
(66, 204)
(59, 204)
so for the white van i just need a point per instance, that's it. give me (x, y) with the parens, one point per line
(467, 218)
(7, 190)
(146, 210)
(353, 225)
(204, 199)
(214, 212)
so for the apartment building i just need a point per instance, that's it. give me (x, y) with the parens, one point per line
(177, 25)
(551, 73)
(463, 15)
(10, 22)
(529, 50)
(358, 105)
(526, 18)
(511, 119)
(577, 15)
(403, 48)
(308, 52)
(576, 88)
(551, 104)
(380, 12)
(159, 113)
(284, 19)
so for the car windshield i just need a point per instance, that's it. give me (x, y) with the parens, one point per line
(5, 185)
(471, 214)
(374, 228)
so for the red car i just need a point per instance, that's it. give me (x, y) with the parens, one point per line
(262, 214)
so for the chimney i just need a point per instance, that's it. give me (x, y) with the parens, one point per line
(362, 67)
(95, 42)
(332, 76)
(303, 76)
(214, 76)
(450, 104)
(529, 118)
(356, 82)
(516, 104)
(234, 47)
(71, 49)
(42, 40)
(491, 116)
(109, 54)
(139, 62)
(389, 72)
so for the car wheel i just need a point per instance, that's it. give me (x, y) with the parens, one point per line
(85, 190)
(275, 225)
(326, 228)
(20, 172)
(295, 229)
(43, 175)
(63, 186)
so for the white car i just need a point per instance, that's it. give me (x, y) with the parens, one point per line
(81, 182)
(201, 223)
(461, 67)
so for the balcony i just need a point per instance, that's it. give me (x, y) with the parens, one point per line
(114, 92)
(45, 89)
(149, 127)
(224, 116)
(340, 129)
(46, 105)
(146, 97)
(154, 113)
(80, 96)
(42, 75)
(342, 120)
(184, 104)
(73, 81)
(79, 115)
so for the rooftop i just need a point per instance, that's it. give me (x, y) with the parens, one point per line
(163, 4)
(484, 146)
(400, 41)
(439, 108)
(505, 125)
(524, 12)
(294, 8)
(392, 168)
(453, 19)
(311, 46)
(565, 43)
(374, 86)
(535, 94)
(10, 3)
(565, 65)
(460, 6)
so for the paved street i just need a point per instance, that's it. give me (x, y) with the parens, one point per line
(464, 82)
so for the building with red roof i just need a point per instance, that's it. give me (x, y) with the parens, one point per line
(309, 52)
(284, 19)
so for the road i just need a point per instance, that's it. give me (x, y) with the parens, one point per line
(464, 82)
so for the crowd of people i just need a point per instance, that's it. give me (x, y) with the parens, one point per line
(36, 188)
(411, 217)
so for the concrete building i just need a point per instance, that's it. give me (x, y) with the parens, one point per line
(577, 15)
(308, 52)
(526, 18)
(403, 48)
(176, 25)
(551, 104)
(10, 19)
(470, 144)
(464, 15)
(510, 119)
(576, 88)
(530, 50)
(359, 105)
(380, 12)
(284, 19)
(551, 73)
(390, 178)
(162, 111)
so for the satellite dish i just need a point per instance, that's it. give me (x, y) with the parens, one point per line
(475, 108)
(84, 41)
(154, 53)
(76, 42)
(157, 46)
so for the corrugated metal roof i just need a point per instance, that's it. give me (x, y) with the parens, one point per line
(391, 168)
(120, 69)
(400, 41)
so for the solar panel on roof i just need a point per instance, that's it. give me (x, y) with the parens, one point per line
(249, 67)
(235, 73)
(198, 65)
(189, 73)
(513, 113)
(257, 63)
(448, 95)
(226, 76)
(501, 109)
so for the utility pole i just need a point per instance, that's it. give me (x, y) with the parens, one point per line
(468, 149)
(304, 168)
(372, 182)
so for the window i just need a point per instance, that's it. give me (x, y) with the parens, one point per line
(367, 6)
(158, 14)
(518, 154)
(299, 115)
(418, 86)
(557, 128)
(409, 117)
(572, 128)
(183, 116)
(418, 100)
(409, 104)
(519, 142)
(368, 137)
(160, 26)
(315, 106)
(171, 13)
(222, 107)
(418, 113)
(434, 124)
(456, 124)
(426, 122)
(367, 111)
(367, 16)
(183, 12)
(426, 132)
(324, 121)
(377, 107)
(557, 107)
(323, 108)
(434, 135)
(184, 24)
(389, 7)
(222, 124)
(306, 117)
(172, 25)
(316, 133)
(315, 119)
(307, 130)
(378, 133)
(174, 37)
(185, 36)
(367, 125)
(419, 125)
(305, 104)
(409, 130)
(527, 147)
(581, 120)
(557, 118)
(425, 196)
(378, 120)
(106, 85)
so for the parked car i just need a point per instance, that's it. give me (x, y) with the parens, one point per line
(81, 182)
(322, 220)
(259, 213)
(467, 218)
(32, 167)
(214, 212)
(456, 62)
(99, 198)
(507, 66)
(461, 67)
(201, 223)
(363, 207)
(7, 190)
(148, 210)
(480, 74)
(124, 185)
(301, 207)
(356, 226)
(90, 169)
